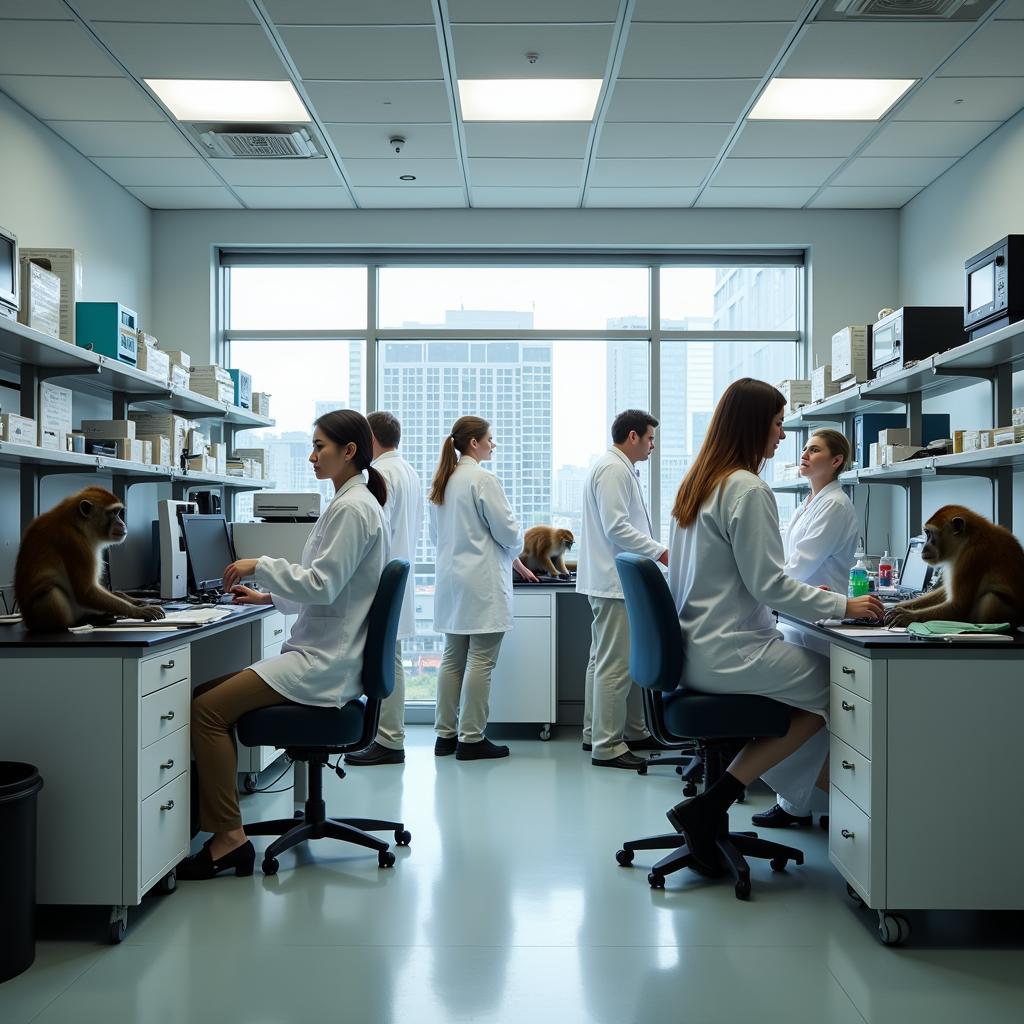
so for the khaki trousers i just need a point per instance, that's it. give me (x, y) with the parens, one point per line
(613, 707)
(465, 675)
(391, 727)
(216, 706)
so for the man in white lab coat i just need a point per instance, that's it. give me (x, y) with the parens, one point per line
(404, 512)
(615, 519)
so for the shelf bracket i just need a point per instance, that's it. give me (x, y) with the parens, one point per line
(981, 372)
(46, 372)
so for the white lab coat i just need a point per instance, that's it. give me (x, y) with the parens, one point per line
(321, 663)
(477, 538)
(821, 539)
(615, 519)
(404, 513)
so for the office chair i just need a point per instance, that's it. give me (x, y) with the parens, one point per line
(312, 734)
(717, 722)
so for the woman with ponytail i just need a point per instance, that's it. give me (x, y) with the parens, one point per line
(478, 541)
(321, 663)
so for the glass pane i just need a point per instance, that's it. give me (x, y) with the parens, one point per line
(305, 379)
(295, 298)
(729, 299)
(514, 298)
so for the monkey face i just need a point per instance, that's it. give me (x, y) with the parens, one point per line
(566, 538)
(941, 539)
(104, 522)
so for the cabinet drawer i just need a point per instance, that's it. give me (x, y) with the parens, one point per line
(163, 761)
(851, 671)
(275, 629)
(164, 712)
(849, 841)
(850, 771)
(163, 829)
(272, 650)
(850, 718)
(169, 667)
(531, 605)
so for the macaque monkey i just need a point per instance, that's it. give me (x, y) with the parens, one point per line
(57, 574)
(544, 550)
(983, 572)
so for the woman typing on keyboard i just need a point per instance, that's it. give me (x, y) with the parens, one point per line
(321, 663)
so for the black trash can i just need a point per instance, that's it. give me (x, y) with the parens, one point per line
(19, 786)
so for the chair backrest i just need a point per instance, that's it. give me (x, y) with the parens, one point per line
(382, 631)
(656, 648)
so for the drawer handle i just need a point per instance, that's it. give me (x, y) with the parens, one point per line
(167, 664)
(167, 717)
(848, 765)
(169, 806)
(847, 707)
(847, 671)
(846, 834)
(278, 632)
(169, 763)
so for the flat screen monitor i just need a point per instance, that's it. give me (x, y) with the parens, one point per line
(8, 273)
(916, 572)
(209, 549)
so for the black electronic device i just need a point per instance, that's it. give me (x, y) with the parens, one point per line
(208, 502)
(209, 550)
(10, 275)
(911, 333)
(994, 287)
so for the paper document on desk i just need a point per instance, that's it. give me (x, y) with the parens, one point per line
(180, 619)
(156, 627)
(869, 631)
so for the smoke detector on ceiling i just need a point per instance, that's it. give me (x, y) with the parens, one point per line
(903, 10)
(257, 142)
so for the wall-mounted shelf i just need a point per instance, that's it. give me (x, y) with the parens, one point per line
(790, 486)
(964, 463)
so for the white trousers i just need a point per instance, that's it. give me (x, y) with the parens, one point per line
(794, 778)
(391, 727)
(465, 678)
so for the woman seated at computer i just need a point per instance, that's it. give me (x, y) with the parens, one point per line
(321, 663)
(726, 572)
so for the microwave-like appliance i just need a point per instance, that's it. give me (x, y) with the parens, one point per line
(912, 333)
(994, 287)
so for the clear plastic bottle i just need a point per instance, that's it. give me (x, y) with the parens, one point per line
(859, 586)
(885, 571)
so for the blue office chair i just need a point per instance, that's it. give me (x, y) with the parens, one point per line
(717, 722)
(313, 734)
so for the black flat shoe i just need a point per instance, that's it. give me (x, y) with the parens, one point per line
(201, 865)
(779, 817)
(628, 761)
(699, 829)
(481, 750)
(375, 753)
(445, 745)
(647, 743)
(588, 747)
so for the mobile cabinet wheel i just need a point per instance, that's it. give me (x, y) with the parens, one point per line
(385, 859)
(270, 865)
(779, 863)
(624, 858)
(893, 929)
(854, 895)
(545, 733)
(656, 880)
(403, 837)
(168, 883)
(118, 930)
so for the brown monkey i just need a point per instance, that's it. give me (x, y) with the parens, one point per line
(983, 572)
(544, 549)
(57, 574)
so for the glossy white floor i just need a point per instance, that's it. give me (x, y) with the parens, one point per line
(509, 907)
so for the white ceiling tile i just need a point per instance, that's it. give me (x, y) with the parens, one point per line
(223, 12)
(564, 51)
(52, 48)
(779, 172)
(527, 139)
(648, 197)
(196, 198)
(386, 172)
(513, 172)
(701, 50)
(529, 198)
(36, 10)
(929, 138)
(312, 197)
(996, 49)
(755, 198)
(688, 100)
(123, 138)
(643, 173)
(800, 138)
(964, 99)
(193, 51)
(462, 11)
(871, 50)
(422, 141)
(720, 10)
(399, 198)
(885, 197)
(362, 53)
(58, 98)
(904, 170)
(380, 102)
(277, 172)
(330, 12)
(661, 140)
(147, 170)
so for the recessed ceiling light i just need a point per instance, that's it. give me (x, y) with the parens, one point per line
(528, 99)
(407, 177)
(828, 99)
(219, 100)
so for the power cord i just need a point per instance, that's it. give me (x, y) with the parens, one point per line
(266, 789)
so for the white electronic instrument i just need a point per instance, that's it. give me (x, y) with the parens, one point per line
(173, 560)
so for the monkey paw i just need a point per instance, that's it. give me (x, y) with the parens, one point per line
(899, 617)
(149, 612)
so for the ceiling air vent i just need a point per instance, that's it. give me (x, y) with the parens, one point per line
(246, 142)
(903, 10)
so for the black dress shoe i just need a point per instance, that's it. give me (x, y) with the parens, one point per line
(779, 817)
(202, 865)
(588, 747)
(375, 753)
(645, 743)
(700, 828)
(626, 760)
(445, 745)
(481, 750)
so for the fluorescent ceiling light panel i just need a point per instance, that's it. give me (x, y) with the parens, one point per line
(219, 100)
(528, 99)
(828, 99)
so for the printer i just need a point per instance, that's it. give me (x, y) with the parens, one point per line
(287, 521)
(286, 506)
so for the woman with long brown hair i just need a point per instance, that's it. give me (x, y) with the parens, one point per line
(726, 574)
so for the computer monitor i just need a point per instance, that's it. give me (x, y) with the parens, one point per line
(209, 549)
(916, 573)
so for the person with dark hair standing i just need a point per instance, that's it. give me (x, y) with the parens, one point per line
(321, 663)
(615, 519)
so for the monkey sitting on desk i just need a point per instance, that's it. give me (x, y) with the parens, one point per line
(544, 550)
(983, 572)
(57, 574)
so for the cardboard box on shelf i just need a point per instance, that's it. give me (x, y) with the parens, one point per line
(874, 455)
(958, 442)
(170, 426)
(40, 299)
(108, 430)
(67, 265)
(147, 451)
(260, 457)
(54, 416)
(796, 393)
(219, 454)
(176, 355)
(261, 403)
(850, 353)
(1017, 416)
(159, 446)
(154, 362)
(17, 429)
(177, 375)
(129, 449)
(893, 453)
(202, 464)
(1007, 435)
(822, 386)
(894, 435)
(971, 440)
(212, 381)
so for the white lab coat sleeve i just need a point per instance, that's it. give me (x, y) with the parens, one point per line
(345, 543)
(284, 606)
(753, 524)
(816, 542)
(497, 514)
(432, 524)
(613, 489)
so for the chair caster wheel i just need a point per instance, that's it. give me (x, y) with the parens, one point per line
(854, 895)
(403, 837)
(743, 889)
(385, 859)
(118, 930)
(893, 929)
(624, 858)
(167, 884)
(270, 865)
(779, 863)
(689, 789)
(642, 770)
(656, 880)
